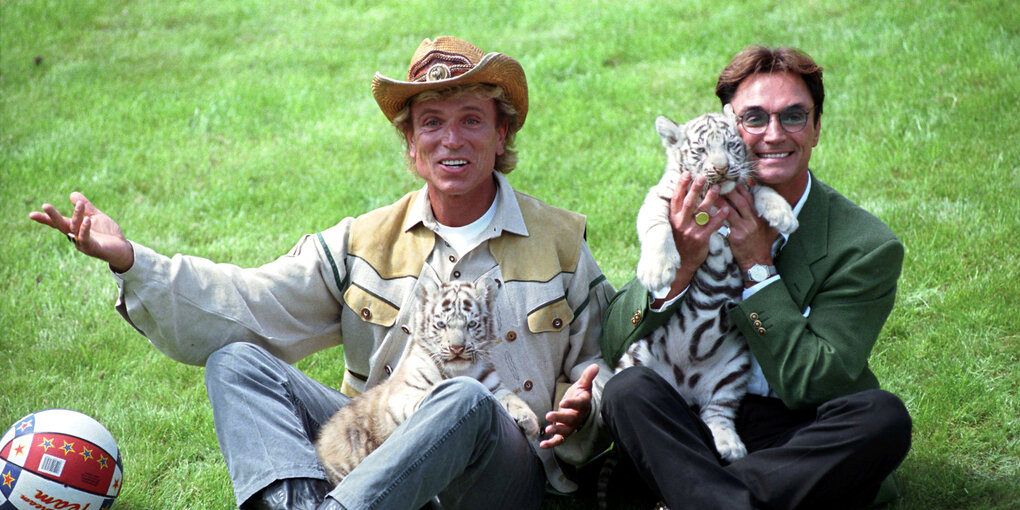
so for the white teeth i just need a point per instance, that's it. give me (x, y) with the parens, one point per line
(774, 156)
(454, 162)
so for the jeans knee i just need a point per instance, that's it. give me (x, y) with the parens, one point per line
(234, 358)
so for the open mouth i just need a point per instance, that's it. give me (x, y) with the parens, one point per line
(774, 155)
(453, 163)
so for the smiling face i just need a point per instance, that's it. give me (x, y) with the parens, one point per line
(782, 157)
(454, 143)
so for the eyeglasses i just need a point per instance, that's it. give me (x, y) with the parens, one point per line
(756, 120)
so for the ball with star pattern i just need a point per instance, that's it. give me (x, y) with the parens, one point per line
(59, 459)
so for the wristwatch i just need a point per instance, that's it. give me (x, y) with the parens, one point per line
(759, 273)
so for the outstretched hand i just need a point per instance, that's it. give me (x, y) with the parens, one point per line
(92, 232)
(573, 411)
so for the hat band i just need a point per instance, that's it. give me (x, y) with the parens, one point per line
(439, 65)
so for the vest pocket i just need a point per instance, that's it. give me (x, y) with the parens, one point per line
(369, 307)
(550, 317)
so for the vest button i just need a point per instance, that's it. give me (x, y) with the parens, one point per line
(456, 274)
(557, 323)
(405, 329)
(366, 313)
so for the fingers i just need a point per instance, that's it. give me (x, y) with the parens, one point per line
(76, 218)
(552, 442)
(84, 233)
(587, 377)
(88, 209)
(56, 220)
(557, 433)
(741, 201)
(43, 217)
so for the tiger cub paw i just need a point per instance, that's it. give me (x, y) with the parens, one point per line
(657, 267)
(728, 444)
(526, 419)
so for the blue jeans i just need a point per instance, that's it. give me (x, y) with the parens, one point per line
(461, 444)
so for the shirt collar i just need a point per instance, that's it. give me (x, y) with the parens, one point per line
(508, 215)
(783, 238)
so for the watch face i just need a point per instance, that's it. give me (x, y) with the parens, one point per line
(759, 273)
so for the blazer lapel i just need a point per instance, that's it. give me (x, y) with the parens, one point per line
(806, 245)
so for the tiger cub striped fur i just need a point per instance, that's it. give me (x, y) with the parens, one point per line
(698, 349)
(452, 328)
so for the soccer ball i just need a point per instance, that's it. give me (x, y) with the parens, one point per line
(59, 459)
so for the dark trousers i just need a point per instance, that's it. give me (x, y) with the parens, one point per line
(833, 456)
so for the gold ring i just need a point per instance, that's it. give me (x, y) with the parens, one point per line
(702, 218)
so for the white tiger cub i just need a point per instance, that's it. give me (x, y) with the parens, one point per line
(698, 349)
(708, 145)
(452, 328)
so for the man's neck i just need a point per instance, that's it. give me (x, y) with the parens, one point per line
(460, 210)
(794, 188)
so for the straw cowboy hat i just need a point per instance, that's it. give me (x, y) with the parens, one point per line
(447, 62)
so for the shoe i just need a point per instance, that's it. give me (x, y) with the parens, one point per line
(290, 494)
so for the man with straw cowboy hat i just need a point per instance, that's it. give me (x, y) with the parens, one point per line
(353, 284)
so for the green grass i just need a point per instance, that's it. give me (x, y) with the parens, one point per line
(229, 129)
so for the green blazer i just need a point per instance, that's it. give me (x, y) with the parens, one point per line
(839, 268)
(813, 330)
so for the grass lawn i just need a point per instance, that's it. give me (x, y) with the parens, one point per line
(229, 129)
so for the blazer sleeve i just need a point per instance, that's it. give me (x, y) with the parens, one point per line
(818, 351)
(630, 318)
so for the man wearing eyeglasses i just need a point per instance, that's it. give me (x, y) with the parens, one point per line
(819, 432)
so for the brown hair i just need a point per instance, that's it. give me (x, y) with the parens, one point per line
(760, 59)
(505, 162)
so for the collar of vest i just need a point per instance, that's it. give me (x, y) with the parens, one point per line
(552, 246)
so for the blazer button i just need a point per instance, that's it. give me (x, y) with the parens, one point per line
(636, 319)
(761, 331)
(366, 313)
(528, 385)
(511, 336)
(753, 316)
(757, 324)
(557, 323)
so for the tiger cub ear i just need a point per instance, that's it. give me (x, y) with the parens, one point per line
(488, 288)
(731, 116)
(426, 287)
(670, 131)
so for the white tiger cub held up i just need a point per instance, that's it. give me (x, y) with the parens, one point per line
(452, 328)
(698, 350)
(708, 145)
